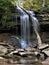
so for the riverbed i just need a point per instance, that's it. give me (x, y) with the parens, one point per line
(19, 60)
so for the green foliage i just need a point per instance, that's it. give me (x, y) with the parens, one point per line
(32, 4)
(35, 4)
(6, 9)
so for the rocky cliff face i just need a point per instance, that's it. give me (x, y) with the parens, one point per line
(43, 18)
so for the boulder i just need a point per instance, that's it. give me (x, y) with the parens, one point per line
(3, 50)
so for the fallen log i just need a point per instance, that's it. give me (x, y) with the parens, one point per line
(46, 51)
(28, 53)
(17, 51)
(43, 46)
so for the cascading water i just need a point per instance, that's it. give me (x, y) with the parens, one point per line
(36, 26)
(25, 27)
(34, 20)
(25, 31)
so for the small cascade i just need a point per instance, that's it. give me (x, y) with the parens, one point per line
(36, 26)
(34, 20)
(20, 10)
(25, 31)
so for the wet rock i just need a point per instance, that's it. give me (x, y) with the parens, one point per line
(1, 58)
(23, 61)
(46, 51)
(46, 62)
(3, 50)
(12, 61)
(26, 53)
(43, 46)
(42, 56)
(16, 51)
(31, 49)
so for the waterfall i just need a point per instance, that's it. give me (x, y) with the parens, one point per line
(20, 10)
(25, 31)
(34, 20)
(36, 26)
(25, 28)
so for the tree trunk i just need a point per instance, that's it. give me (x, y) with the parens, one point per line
(43, 3)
